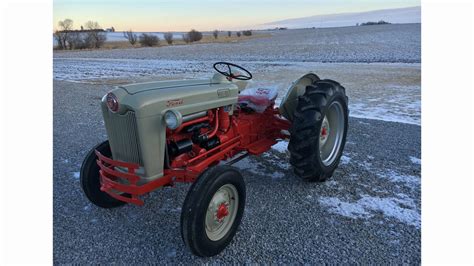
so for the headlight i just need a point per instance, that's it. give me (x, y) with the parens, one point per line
(173, 119)
(112, 102)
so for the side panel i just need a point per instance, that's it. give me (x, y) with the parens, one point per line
(152, 139)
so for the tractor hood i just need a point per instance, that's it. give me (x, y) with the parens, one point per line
(169, 84)
(185, 96)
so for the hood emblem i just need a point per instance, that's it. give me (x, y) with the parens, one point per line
(173, 103)
(223, 93)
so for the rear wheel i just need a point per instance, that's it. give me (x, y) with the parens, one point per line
(90, 178)
(319, 129)
(213, 210)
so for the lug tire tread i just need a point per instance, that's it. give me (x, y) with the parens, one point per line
(304, 140)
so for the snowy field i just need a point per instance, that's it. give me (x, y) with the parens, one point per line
(383, 43)
(387, 89)
(389, 92)
(369, 212)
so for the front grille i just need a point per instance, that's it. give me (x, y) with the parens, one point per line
(123, 137)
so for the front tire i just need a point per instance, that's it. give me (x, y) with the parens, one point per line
(319, 129)
(90, 178)
(213, 210)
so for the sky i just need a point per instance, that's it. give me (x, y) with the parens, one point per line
(204, 15)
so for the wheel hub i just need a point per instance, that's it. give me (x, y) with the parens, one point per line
(221, 212)
(331, 134)
(323, 135)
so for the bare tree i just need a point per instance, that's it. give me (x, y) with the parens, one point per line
(148, 40)
(95, 34)
(62, 35)
(238, 34)
(78, 40)
(66, 24)
(229, 33)
(58, 36)
(215, 33)
(130, 36)
(168, 37)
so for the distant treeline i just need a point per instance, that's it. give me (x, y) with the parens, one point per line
(369, 23)
(92, 35)
(84, 30)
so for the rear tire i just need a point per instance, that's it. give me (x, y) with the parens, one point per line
(319, 129)
(90, 178)
(213, 210)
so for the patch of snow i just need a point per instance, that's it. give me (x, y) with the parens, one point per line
(404, 209)
(401, 178)
(277, 175)
(348, 209)
(366, 165)
(281, 146)
(331, 183)
(415, 160)
(345, 159)
(404, 106)
(171, 253)
(76, 175)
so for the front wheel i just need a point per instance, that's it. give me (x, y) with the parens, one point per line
(319, 129)
(90, 178)
(212, 210)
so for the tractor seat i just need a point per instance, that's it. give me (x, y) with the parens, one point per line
(258, 99)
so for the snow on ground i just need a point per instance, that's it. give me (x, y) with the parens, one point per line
(402, 108)
(383, 43)
(408, 180)
(76, 175)
(281, 146)
(375, 184)
(402, 209)
(345, 159)
(415, 160)
(368, 97)
(387, 89)
(391, 175)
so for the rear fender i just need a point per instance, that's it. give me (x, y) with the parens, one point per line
(297, 88)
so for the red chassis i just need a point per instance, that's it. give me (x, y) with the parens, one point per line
(249, 132)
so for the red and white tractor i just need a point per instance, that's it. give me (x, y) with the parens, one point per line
(161, 133)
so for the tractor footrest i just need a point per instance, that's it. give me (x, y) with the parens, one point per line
(260, 146)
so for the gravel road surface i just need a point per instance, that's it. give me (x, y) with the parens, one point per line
(369, 212)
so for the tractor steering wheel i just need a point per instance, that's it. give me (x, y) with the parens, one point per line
(225, 69)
